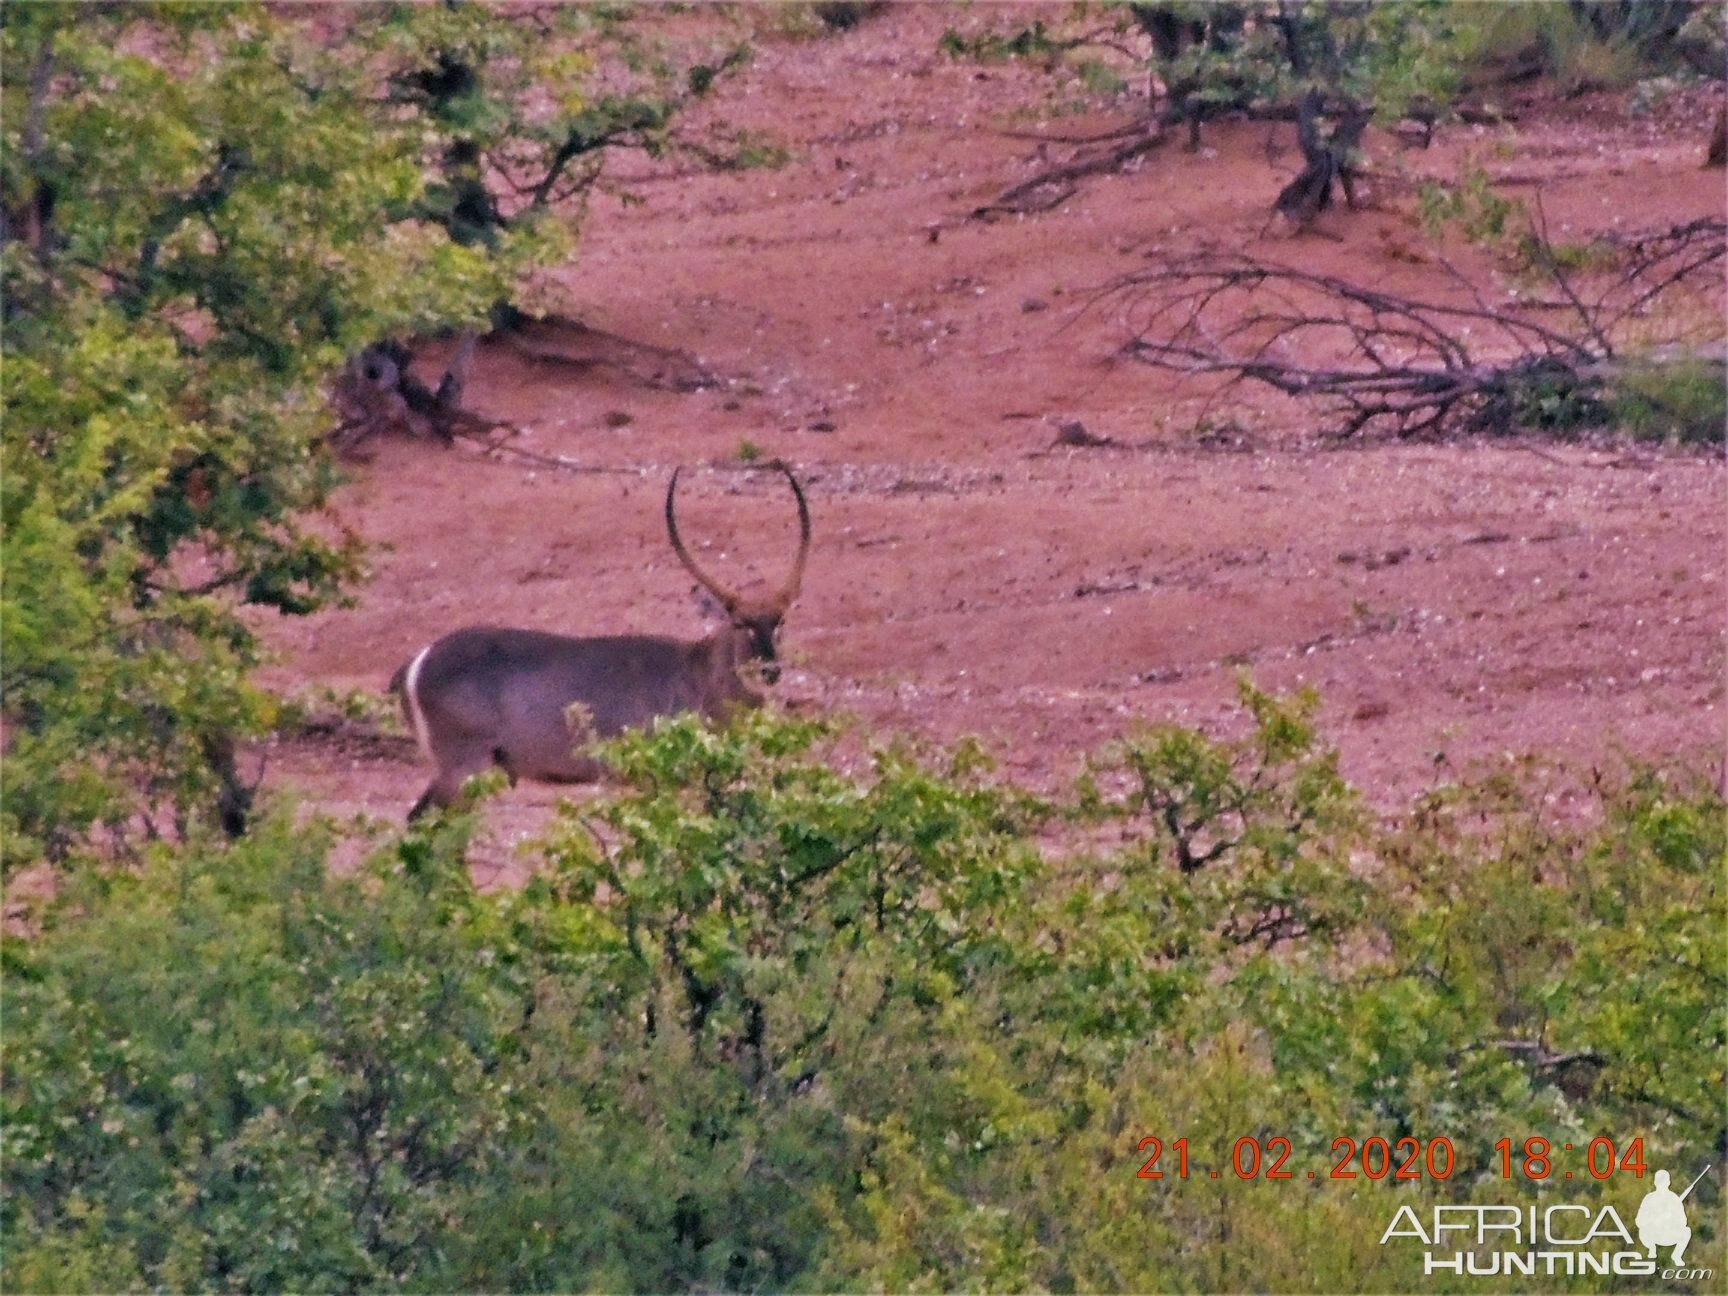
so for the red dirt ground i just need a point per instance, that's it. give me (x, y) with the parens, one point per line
(1455, 600)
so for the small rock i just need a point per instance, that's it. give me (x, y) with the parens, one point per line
(1033, 304)
(822, 425)
(1074, 433)
(619, 418)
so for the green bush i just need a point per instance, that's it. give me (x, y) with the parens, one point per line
(843, 15)
(994, 47)
(759, 1022)
(1604, 44)
(1472, 206)
(1211, 55)
(235, 1069)
(1684, 401)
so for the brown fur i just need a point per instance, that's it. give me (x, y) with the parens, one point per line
(494, 696)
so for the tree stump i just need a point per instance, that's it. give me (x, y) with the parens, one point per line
(378, 392)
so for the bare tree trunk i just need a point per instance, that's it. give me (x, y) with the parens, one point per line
(1328, 160)
(234, 796)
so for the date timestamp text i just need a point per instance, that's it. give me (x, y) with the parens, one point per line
(1534, 1158)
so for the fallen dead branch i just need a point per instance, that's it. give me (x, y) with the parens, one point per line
(496, 446)
(1055, 185)
(378, 392)
(561, 340)
(1097, 137)
(1381, 361)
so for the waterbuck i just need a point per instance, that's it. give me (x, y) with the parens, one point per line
(488, 696)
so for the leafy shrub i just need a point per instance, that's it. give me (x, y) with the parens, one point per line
(811, 19)
(762, 1023)
(1684, 401)
(1472, 205)
(1553, 398)
(308, 1075)
(1392, 56)
(994, 47)
(1604, 45)
(843, 15)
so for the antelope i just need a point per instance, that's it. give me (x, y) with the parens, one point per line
(488, 696)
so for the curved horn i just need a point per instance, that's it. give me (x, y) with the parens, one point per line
(728, 600)
(795, 581)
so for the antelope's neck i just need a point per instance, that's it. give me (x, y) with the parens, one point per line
(727, 651)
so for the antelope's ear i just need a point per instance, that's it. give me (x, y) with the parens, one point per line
(709, 608)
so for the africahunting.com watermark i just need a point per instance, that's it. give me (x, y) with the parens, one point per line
(1562, 1240)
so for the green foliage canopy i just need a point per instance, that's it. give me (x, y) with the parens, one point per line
(207, 210)
(758, 1023)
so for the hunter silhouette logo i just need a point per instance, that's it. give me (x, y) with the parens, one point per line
(1661, 1217)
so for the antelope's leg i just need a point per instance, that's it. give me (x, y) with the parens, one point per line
(454, 769)
(427, 799)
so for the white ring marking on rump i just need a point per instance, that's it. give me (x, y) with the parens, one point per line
(411, 690)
